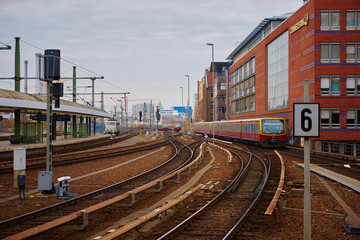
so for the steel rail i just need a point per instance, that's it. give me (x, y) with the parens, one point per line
(83, 197)
(279, 189)
(267, 168)
(240, 175)
(71, 158)
(231, 188)
(40, 151)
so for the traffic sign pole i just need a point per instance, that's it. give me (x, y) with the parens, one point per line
(306, 124)
(307, 198)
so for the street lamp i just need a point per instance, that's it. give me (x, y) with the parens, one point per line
(182, 103)
(213, 79)
(188, 103)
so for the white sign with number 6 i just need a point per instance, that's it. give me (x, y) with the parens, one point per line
(306, 119)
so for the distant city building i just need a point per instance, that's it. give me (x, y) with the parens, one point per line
(205, 94)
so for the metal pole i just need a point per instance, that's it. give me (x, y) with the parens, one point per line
(150, 115)
(126, 116)
(74, 84)
(182, 103)
(93, 103)
(26, 76)
(188, 105)
(49, 123)
(39, 58)
(227, 94)
(93, 92)
(17, 64)
(213, 79)
(307, 199)
(74, 133)
(121, 116)
(17, 84)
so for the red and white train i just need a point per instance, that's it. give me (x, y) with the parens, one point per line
(268, 132)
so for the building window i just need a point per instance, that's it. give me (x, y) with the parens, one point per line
(222, 86)
(221, 98)
(278, 73)
(330, 20)
(353, 52)
(353, 20)
(353, 85)
(330, 118)
(244, 90)
(353, 118)
(330, 52)
(330, 85)
(221, 110)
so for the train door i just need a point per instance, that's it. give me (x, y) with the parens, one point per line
(288, 131)
(239, 130)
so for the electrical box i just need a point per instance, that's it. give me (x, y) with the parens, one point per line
(58, 89)
(19, 158)
(45, 180)
(21, 181)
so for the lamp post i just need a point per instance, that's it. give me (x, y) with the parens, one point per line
(182, 102)
(188, 104)
(213, 79)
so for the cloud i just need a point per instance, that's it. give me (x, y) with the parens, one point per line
(142, 46)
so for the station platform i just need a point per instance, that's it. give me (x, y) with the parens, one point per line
(352, 220)
(344, 180)
(6, 146)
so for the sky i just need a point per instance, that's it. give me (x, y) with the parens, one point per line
(145, 47)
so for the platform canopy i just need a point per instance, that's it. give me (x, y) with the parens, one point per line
(31, 103)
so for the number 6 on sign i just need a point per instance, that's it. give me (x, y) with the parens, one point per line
(306, 119)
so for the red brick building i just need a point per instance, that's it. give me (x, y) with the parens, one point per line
(205, 94)
(319, 42)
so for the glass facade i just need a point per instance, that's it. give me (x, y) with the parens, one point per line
(278, 73)
(243, 88)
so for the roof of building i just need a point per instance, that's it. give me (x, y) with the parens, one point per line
(31, 103)
(263, 23)
(218, 66)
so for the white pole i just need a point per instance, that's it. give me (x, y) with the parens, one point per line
(26, 76)
(307, 199)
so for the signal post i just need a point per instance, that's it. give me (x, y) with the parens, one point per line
(306, 124)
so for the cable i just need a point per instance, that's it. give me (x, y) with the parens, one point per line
(81, 67)
(65, 60)
(7, 44)
(115, 86)
(334, 201)
(31, 45)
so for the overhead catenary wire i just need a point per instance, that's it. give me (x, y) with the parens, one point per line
(77, 65)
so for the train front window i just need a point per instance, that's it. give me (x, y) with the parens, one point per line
(272, 126)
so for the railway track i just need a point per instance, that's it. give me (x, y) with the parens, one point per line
(329, 160)
(221, 217)
(7, 156)
(82, 156)
(93, 203)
